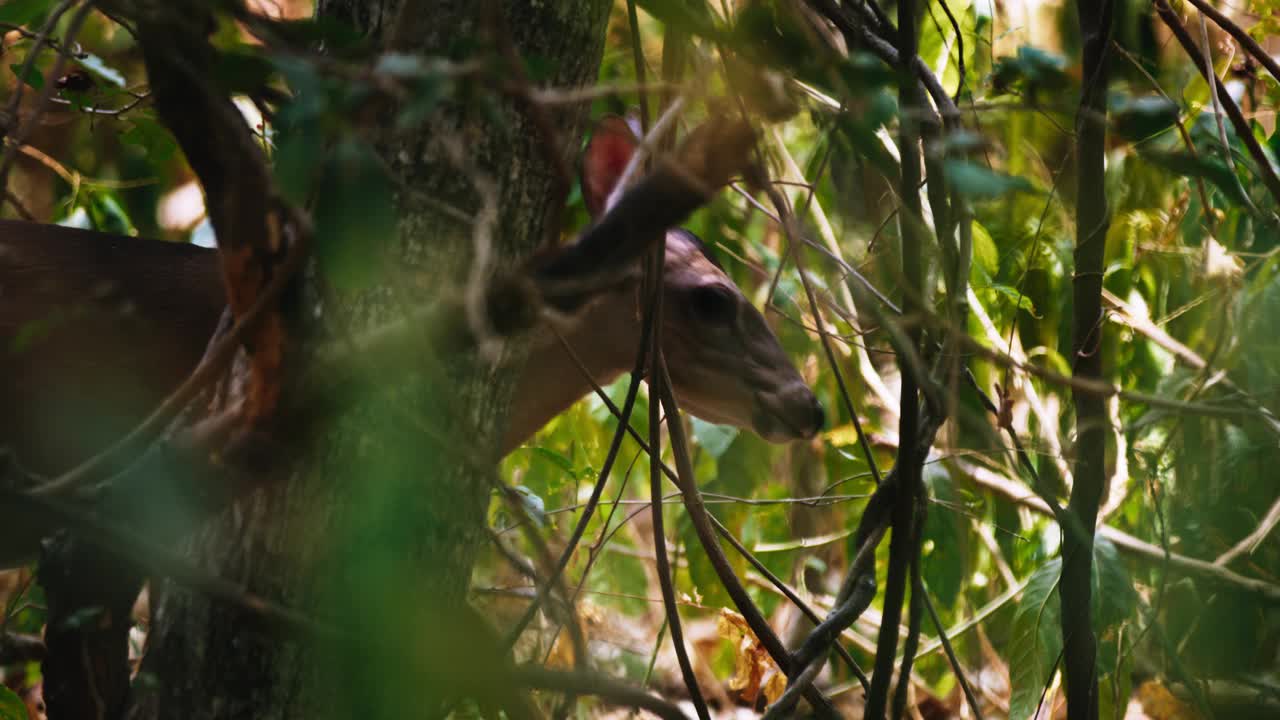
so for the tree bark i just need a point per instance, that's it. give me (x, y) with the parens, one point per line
(1079, 645)
(375, 532)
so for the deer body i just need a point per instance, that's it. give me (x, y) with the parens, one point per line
(97, 329)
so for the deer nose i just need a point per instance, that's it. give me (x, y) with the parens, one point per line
(819, 415)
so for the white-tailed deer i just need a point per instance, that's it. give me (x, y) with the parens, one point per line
(97, 329)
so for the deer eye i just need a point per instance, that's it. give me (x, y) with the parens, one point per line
(713, 305)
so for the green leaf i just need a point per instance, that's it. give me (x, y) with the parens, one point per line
(1010, 293)
(11, 706)
(985, 255)
(1138, 118)
(979, 182)
(556, 458)
(1037, 633)
(1031, 70)
(242, 70)
(1200, 165)
(943, 566)
(355, 216)
(152, 138)
(22, 12)
(109, 215)
(32, 77)
(692, 18)
(713, 438)
(1113, 593)
(1037, 640)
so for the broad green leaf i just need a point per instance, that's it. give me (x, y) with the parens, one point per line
(1137, 118)
(11, 706)
(1200, 165)
(151, 138)
(1030, 70)
(1014, 297)
(32, 77)
(21, 12)
(944, 565)
(979, 182)
(556, 458)
(1037, 634)
(1037, 640)
(355, 216)
(109, 215)
(242, 69)
(986, 258)
(1114, 596)
(549, 472)
(713, 438)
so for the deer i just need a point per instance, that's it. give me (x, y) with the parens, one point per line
(96, 329)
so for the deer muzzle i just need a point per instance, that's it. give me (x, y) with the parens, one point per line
(792, 412)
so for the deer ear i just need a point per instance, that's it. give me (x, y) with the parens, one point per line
(610, 148)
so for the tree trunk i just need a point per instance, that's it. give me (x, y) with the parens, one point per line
(374, 535)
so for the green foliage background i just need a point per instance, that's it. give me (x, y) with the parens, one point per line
(1192, 252)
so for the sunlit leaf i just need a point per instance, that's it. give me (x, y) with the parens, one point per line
(986, 258)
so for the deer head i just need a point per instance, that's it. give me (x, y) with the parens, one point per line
(726, 365)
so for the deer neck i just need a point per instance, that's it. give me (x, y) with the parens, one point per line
(604, 337)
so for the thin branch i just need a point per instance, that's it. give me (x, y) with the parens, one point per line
(788, 226)
(1250, 542)
(956, 667)
(915, 612)
(608, 689)
(698, 515)
(910, 458)
(1216, 574)
(20, 648)
(654, 276)
(19, 137)
(1243, 131)
(1250, 45)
